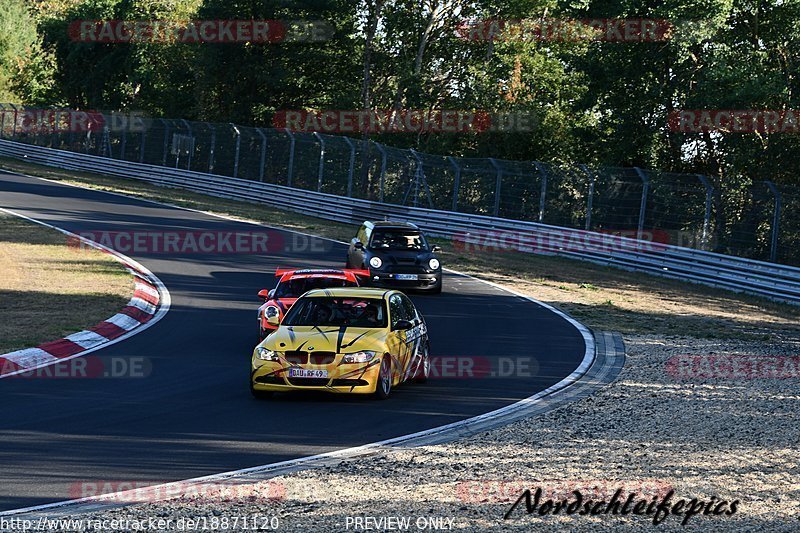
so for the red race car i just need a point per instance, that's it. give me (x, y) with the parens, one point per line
(294, 283)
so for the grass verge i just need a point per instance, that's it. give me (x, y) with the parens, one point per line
(49, 289)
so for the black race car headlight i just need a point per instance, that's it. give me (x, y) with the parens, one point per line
(364, 356)
(266, 355)
(271, 311)
(434, 264)
(375, 262)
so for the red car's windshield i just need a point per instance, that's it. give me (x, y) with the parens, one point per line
(296, 287)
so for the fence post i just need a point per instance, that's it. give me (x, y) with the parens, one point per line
(456, 182)
(16, 117)
(417, 170)
(106, 144)
(238, 150)
(382, 179)
(3, 124)
(351, 168)
(643, 204)
(321, 166)
(123, 143)
(34, 130)
(776, 222)
(56, 128)
(177, 151)
(590, 198)
(166, 138)
(543, 172)
(213, 148)
(191, 142)
(141, 145)
(290, 170)
(707, 215)
(263, 154)
(420, 174)
(70, 136)
(497, 186)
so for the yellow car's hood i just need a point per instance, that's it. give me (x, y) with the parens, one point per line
(326, 339)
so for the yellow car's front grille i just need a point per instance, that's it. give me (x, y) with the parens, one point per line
(315, 358)
(308, 382)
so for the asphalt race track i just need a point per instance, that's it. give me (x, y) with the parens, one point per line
(193, 415)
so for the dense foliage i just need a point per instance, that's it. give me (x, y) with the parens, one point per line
(599, 102)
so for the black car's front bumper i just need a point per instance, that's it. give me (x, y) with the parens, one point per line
(392, 280)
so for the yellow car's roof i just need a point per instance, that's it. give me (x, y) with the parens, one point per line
(349, 292)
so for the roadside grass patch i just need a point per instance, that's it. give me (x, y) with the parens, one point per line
(48, 289)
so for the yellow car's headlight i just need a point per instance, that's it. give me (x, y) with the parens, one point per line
(266, 355)
(364, 356)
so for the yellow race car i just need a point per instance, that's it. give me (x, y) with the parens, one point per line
(346, 340)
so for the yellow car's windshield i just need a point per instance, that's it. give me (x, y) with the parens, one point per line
(326, 311)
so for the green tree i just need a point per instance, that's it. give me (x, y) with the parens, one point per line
(24, 67)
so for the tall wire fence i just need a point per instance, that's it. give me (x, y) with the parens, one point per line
(736, 216)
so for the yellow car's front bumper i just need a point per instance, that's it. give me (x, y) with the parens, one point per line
(356, 378)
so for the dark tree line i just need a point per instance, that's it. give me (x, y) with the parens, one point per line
(606, 103)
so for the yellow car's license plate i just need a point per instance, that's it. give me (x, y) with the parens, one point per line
(304, 373)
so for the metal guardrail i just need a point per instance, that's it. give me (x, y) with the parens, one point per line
(777, 282)
(735, 215)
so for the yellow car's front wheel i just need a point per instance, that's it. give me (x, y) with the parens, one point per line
(424, 370)
(384, 385)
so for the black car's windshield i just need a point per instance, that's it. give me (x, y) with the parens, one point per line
(352, 312)
(398, 240)
(295, 288)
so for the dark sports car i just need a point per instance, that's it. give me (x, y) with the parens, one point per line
(397, 255)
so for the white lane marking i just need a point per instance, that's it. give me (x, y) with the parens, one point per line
(30, 358)
(164, 303)
(124, 321)
(86, 339)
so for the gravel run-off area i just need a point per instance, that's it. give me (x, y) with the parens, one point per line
(714, 426)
